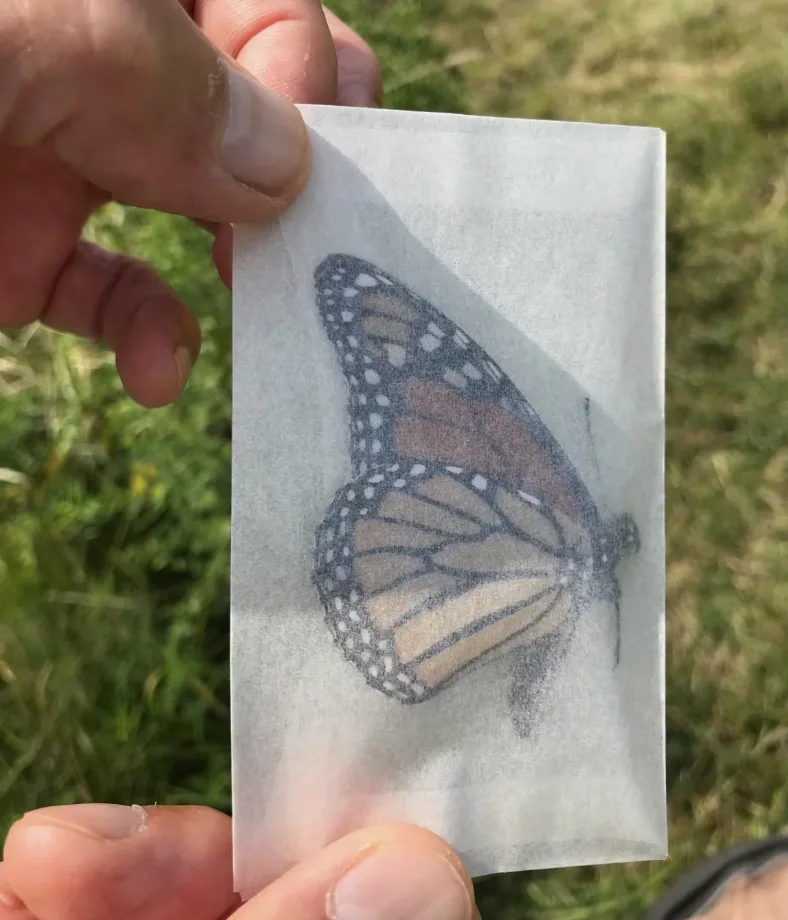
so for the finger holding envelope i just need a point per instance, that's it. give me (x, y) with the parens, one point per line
(135, 102)
(91, 862)
(306, 54)
(128, 101)
(297, 48)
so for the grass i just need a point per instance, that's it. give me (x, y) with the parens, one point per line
(114, 521)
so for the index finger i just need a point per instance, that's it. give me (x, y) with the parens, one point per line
(286, 44)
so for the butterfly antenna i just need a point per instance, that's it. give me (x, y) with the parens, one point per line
(589, 430)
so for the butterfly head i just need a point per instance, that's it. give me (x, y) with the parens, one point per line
(621, 539)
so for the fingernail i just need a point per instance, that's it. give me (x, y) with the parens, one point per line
(399, 884)
(183, 364)
(101, 822)
(265, 141)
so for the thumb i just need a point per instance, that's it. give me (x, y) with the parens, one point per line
(140, 104)
(90, 862)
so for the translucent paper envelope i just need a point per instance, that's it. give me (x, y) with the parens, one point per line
(448, 554)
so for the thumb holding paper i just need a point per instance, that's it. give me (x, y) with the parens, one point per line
(136, 100)
(128, 101)
(90, 862)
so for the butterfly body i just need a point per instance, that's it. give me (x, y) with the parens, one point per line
(465, 533)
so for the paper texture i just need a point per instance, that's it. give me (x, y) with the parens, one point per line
(541, 246)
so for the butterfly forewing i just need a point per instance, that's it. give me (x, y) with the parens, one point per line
(420, 387)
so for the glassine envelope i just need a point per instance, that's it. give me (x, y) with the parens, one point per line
(448, 547)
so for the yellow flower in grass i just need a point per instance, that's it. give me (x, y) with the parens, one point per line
(144, 481)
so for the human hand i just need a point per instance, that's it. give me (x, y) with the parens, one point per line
(95, 862)
(142, 101)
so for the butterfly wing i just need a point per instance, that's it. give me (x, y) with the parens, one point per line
(465, 533)
(421, 388)
(425, 572)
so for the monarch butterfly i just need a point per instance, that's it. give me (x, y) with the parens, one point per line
(465, 533)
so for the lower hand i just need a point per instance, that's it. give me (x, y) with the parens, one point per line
(109, 862)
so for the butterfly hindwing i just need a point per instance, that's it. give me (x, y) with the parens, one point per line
(425, 572)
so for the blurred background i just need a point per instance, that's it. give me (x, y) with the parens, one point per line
(114, 521)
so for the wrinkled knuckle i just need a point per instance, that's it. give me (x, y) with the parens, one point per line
(127, 285)
(127, 275)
